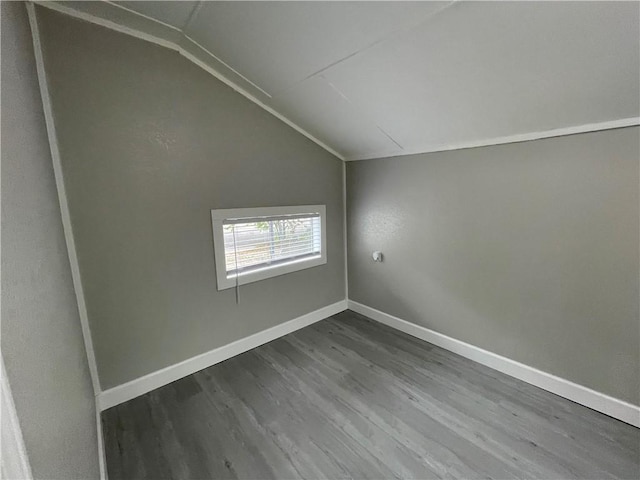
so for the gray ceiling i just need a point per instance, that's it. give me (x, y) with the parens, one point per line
(374, 79)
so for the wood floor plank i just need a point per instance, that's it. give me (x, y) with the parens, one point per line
(351, 398)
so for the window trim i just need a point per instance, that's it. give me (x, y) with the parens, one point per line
(218, 216)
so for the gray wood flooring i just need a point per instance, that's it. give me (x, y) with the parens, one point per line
(350, 398)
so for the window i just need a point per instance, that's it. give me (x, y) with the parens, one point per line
(252, 244)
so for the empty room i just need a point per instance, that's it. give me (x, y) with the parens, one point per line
(320, 240)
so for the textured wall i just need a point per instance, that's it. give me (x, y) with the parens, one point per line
(528, 250)
(41, 337)
(150, 143)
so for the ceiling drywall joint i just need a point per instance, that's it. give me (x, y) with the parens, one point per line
(389, 137)
(192, 15)
(225, 64)
(348, 100)
(132, 12)
(390, 36)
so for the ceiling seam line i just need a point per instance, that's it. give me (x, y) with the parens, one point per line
(192, 15)
(188, 38)
(146, 17)
(389, 137)
(222, 62)
(359, 110)
(389, 37)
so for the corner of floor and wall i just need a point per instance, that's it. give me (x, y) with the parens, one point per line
(523, 257)
(94, 206)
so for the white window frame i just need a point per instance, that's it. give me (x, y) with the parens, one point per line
(218, 217)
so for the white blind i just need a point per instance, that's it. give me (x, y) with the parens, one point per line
(262, 242)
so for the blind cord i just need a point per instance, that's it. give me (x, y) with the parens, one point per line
(235, 254)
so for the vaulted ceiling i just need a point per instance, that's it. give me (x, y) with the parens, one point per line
(373, 79)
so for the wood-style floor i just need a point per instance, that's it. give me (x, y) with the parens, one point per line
(350, 398)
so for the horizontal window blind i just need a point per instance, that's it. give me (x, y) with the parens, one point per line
(256, 243)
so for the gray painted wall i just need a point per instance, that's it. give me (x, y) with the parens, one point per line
(150, 143)
(528, 250)
(42, 342)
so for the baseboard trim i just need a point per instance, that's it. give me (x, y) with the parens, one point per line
(120, 394)
(593, 399)
(102, 454)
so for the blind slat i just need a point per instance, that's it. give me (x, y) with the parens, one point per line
(251, 246)
(258, 266)
(263, 242)
(278, 245)
(236, 221)
(242, 260)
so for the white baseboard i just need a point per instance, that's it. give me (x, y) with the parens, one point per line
(606, 404)
(142, 385)
(102, 455)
